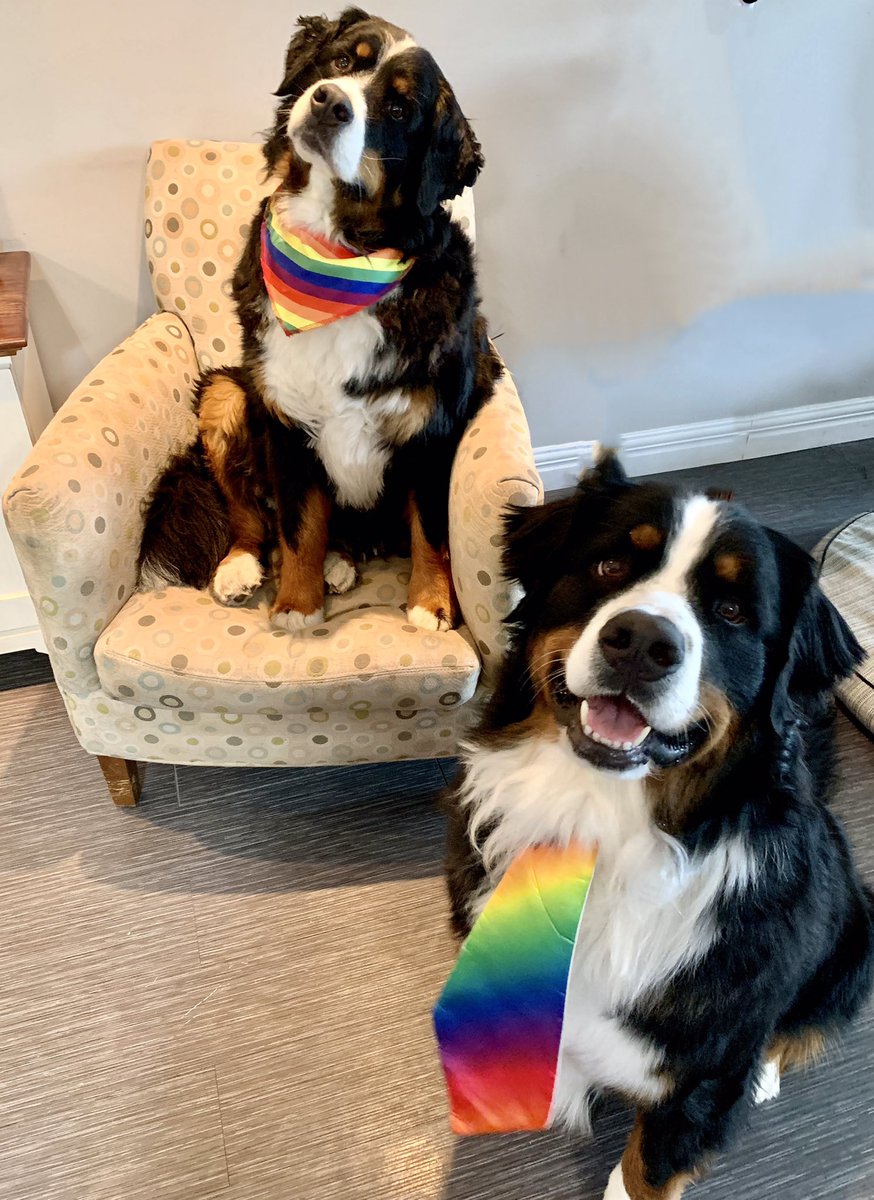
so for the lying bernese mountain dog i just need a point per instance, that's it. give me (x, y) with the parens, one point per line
(364, 352)
(667, 696)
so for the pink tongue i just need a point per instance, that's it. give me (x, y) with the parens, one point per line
(615, 718)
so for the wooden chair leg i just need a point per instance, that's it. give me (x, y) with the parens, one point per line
(123, 777)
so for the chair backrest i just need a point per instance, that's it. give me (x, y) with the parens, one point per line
(200, 200)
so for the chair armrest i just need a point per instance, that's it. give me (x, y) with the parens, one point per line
(493, 468)
(75, 507)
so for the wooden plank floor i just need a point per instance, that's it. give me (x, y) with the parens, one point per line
(226, 992)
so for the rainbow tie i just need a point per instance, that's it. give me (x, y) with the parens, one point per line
(311, 282)
(499, 1018)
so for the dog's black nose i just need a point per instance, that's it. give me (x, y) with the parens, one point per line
(641, 647)
(330, 105)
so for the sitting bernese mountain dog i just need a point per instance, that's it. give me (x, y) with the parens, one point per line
(667, 696)
(364, 352)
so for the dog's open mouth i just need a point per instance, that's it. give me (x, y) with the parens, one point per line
(611, 733)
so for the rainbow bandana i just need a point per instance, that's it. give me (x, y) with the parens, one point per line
(499, 1019)
(312, 282)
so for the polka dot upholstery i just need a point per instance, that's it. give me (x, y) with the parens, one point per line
(74, 509)
(494, 467)
(173, 676)
(200, 200)
(179, 648)
(271, 737)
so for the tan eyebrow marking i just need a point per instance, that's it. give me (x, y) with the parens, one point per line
(401, 84)
(646, 537)
(364, 50)
(728, 567)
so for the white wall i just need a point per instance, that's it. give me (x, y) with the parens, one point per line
(675, 219)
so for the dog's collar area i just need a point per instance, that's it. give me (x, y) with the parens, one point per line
(312, 281)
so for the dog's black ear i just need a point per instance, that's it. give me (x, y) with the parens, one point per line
(606, 473)
(453, 158)
(351, 16)
(303, 50)
(534, 539)
(821, 648)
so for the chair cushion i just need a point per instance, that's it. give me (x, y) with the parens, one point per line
(179, 649)
(847, 558)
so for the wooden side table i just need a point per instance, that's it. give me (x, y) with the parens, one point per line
(25, 410)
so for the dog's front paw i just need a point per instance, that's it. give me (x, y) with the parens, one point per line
(236, 578)
(293, 621)
(438, 621)
(767, 1085)
(340, 573)
(616, 1185)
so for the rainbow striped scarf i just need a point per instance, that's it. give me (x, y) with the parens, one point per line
(499, 1019)
(312, 282)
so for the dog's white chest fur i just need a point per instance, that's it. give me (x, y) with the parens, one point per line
(647, 913)
(304, 376)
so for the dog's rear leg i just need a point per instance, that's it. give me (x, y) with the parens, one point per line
(767, 1085)
(340, 572)
(787, 1050)
(431, 603)
(222, 417)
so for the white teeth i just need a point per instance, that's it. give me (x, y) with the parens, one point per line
(597, 737)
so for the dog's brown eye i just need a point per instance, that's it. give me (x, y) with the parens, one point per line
(396, 111)
(730, 611)
(612, 568)
(342, 62)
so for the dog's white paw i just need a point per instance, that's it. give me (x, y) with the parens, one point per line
(236, 578)
(340, 573)
(294, 621)
(427, 620)
(616, 1185)
(767, 1086)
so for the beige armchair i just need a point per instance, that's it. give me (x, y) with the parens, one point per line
(173, 676)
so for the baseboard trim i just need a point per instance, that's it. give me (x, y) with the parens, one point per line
(22, 639)
(560, 465)
(701, 443)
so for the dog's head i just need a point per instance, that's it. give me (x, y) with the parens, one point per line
(370, 115)
(656, 626)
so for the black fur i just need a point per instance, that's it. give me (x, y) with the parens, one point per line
(794, 951)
